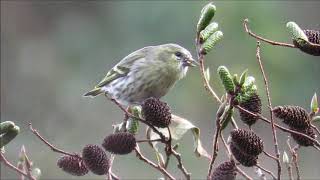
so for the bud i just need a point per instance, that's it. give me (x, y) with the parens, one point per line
(225, 171)
(211, 42)
(296, 32)
(293, 116)
(156, 112)
(207, 14)
(252, 104)
(9, 135)
(226, 79)
(314, 104)
(247, 141)
(6, 126)
(208, 31)
(73, 165)
(243, 158)
(119, 143)
(96, 159)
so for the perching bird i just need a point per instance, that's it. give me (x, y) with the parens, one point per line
(147, 72)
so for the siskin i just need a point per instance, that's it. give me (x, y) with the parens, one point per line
(147, 72)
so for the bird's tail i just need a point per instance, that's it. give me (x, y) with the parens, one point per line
(94, 92)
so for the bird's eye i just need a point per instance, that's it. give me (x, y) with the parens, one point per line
(178, 54)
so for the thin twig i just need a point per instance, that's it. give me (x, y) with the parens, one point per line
(260, 174)
(294, 157)
(267, 171)
(289, 167)
(274, 133)
(53, 148)
(317, 144)
(137, 118)
(247, 177)
(180, 164)
(9, 165)
(225, 144)
(269, 155)
(157, 167)
(215, 146)
(148, 140)
(316, 129)
(246, 27)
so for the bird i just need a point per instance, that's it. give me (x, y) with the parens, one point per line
(148, 72)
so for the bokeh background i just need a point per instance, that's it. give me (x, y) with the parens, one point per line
(53, 51)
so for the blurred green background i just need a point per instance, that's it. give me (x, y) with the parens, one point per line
(52, 52)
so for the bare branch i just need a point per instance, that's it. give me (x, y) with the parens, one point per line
(247, 177)
(267, 171)
(246, 27)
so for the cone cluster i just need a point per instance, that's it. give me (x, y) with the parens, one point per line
(297, 119)
(313, 37)
(246, 146)
(252, 104)
(119, 143)
(156, 112)
(73, 165)
(225, 171)
(96, 159)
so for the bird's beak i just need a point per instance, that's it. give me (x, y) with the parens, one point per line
(190, 62)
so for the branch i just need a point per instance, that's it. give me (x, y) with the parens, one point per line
(294, 157)
(8, 164)
(157, 167)
(243, 174)
(267, 171)
(317, 144)
(215, 146)
(180, 165)
(245, 24)
(53, 148)
(274, 133)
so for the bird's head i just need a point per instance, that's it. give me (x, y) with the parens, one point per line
(177, 57)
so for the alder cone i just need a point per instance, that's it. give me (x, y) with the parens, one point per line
(247, 141)
(253, 104)
(225, 171)
(73, 165)
(301, 140)
(243, 158)
(120, 143)
(95, 159)
(293, 116)
(156, 112)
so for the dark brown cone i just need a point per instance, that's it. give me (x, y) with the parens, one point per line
(303, 141)
(247, 141)
(156, 112)
(313, 36)
(95, 159)
(73, 165)
(225, 171)
(253, 104)
(120, 143)
(244, 159)
(293, 116)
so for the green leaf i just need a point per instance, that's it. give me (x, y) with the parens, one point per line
(235, 79)
(208, 45)
(226, 79)
(206, 15)
(314, 104)
(208, 31)
(178, 127)
(6, 126)
(243, 77)
(296, 32)
(133, 123)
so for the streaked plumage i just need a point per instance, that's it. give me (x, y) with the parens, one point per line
(147, 72)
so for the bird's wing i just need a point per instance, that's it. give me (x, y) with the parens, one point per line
(123, 67)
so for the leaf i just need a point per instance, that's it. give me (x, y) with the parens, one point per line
(314, 104)
(151, 135)
(243, 77)
(285, 158)
(133, 123)
(178, 127)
